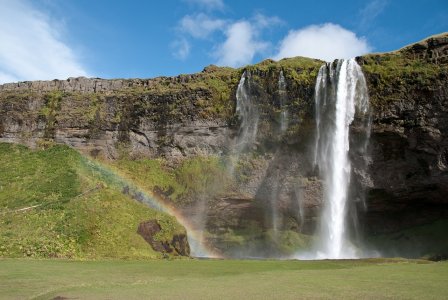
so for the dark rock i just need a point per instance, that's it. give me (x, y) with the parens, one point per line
(177, 245)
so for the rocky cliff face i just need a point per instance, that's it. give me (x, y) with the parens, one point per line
(182, 117)
(162, 116)
(409, 144)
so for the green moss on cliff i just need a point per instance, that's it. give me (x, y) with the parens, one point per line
(205, 95)
(50, 110)
(158, 102)
(203, 176)
(395, 76)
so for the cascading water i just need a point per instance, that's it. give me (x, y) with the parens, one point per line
(248, 113)
(341, 93)
(283, 97)
(248, 116)
(273, 212)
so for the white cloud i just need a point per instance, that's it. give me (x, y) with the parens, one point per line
(327, 42)
(241, 38)
(372, 10)
(200, 26)
(209, 4)
(30, 47)
(240, 46)
(261, 21)
(181, 48)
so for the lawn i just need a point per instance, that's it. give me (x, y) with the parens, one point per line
(222, 279)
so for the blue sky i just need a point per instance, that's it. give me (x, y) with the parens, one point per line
(47, 39)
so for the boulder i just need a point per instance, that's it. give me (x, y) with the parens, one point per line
(176, 245)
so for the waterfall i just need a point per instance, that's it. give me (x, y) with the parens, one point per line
(340, 94)
(283, 97)
(274, 213)
(248, 115)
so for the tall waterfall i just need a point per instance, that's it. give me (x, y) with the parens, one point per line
(341, 93)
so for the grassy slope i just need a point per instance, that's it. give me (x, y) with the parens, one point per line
(192, 177)
(79, 214)
(181, 279)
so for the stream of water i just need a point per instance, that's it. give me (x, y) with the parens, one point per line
(340, 93)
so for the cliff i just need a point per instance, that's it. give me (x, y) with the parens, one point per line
(184, 121)
(408, 92)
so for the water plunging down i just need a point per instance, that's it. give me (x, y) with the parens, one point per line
(248, 114)
(340, 93)
(283, 97)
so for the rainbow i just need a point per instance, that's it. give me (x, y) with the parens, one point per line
(199, 247)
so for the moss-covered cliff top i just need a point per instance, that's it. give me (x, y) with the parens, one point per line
(418, 68)
(213, 76)
(210, 77)
(210, 94)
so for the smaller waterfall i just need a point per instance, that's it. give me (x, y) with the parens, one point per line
(198, 225)
(340, 93)
(248, 114)
(274, 211)
(298, 193)
(283, 98)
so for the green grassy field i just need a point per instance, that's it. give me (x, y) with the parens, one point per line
(223, 279)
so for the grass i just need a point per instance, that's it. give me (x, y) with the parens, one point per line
(201, 175)
(223, 279)
(33, 177)
(80, 212)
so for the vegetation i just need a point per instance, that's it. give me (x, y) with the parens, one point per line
(253, 240)
(206, 95)
(218, 279)
(50, 111)
(54, 203)
(201, 175)
(396, 74)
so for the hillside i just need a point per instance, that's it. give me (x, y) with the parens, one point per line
(54, 204)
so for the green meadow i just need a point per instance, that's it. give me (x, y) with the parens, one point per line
(223, 279)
